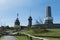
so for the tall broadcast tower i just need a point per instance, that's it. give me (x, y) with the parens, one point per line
(49, 18)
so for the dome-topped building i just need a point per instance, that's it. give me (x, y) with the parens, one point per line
(17, 23)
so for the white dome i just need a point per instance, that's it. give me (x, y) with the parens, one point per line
(49, 18)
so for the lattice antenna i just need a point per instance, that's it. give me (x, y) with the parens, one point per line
(30, 11)
(17, 15)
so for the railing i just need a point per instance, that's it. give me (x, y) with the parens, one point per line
(31, 37)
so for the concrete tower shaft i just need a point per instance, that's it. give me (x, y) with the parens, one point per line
(49, 18)
(48, 12)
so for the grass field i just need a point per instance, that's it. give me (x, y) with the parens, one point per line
(1, 36)
(53, 32)
(53, 38)
(22, 38)
(25, 38)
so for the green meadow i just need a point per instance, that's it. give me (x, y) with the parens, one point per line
(53, 32)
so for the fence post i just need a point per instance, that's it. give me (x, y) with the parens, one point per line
(30, 38)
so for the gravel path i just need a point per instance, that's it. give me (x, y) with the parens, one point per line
(8, 38)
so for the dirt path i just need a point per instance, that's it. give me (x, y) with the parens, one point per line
(8, 38)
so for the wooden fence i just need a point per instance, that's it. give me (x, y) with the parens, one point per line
(33, 37)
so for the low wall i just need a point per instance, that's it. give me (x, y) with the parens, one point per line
(48, 25)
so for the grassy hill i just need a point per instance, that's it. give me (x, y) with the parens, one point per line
(22, 38)
(53, 32)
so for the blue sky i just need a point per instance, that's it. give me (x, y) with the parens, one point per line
(9, 9)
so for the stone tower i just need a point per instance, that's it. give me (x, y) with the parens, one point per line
(30, 20)
(49, 18)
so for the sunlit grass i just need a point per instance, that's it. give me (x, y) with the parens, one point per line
(22, 38)
(53, 32)
(53, 38)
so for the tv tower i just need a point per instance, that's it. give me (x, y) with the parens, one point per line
(49, 18)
